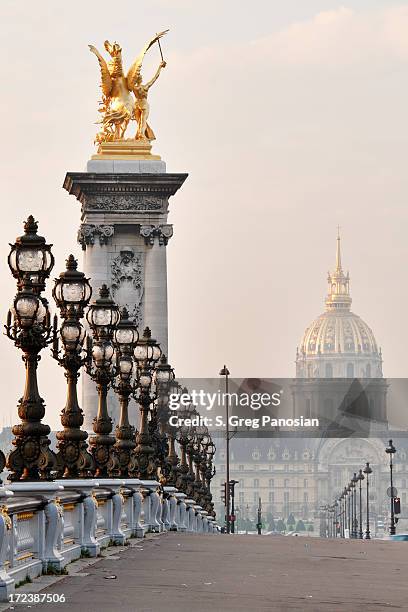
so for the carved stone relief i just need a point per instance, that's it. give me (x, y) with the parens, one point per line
(162, 232)
(88, 233)
(127, 202)
(127, 282)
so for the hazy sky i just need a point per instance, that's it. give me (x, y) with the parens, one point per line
(290, 118)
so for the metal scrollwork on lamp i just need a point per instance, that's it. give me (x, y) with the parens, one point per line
(185, 474)
(28, 325)
(147, 353)
(102, 316)
(125, 340)
(208, 473)
(72, 293)
(163, 376)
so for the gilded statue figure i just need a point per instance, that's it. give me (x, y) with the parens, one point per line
(124, 98)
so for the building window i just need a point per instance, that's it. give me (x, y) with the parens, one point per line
(241, 468)
(271, 497)
(256, 496)
(305, 498)
(241, 484)
(329, 370)
(308, 410)
(256, 482)
(271, 483)
(241, 497)
(305, 483)
(286, 483)
(350, 370)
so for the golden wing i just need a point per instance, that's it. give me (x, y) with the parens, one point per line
(134, 70)
(106, 81)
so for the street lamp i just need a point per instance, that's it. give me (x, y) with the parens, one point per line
(209, 475)
(341, 515)
(30, 258)
(125, 337)
(28, 325)
(349, 508)
(172, 460)
(102, 316)
(72, 293)
(391, 450)
(345, 498)
(182, 438)
(367, 471)
(335, 516)
(147, 353)
(163, 378)
(354, 481)
(360, 478)
(226, 373)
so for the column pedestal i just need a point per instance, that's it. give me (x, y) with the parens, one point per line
(124, 235)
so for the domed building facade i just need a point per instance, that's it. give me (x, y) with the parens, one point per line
(338, 368)
(339, 376)
(338, 344)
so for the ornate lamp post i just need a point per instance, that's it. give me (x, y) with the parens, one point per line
(367, 471)
(182, 437)
(341, 515)
(210, 473)
(335, 517)
(354, 481)
(163, 376)
(72, 293)
(125, 339)
(147, 353)
(28, 325)
(103, 316)
(30, 259)
(391, 450)
(199, 456)
(360, 478)
(207, 473)
(172, 460)
(349, 508)
(190, 451)
(345, 510)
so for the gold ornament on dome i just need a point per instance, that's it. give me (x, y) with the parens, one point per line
(124, 99)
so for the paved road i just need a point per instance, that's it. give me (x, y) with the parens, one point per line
(200, 573)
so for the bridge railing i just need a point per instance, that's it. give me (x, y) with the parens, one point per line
(46, 525)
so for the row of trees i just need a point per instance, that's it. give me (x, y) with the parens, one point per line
(271, 524)
(291, 524)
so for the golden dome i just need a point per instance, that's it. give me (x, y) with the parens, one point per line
(338, 343)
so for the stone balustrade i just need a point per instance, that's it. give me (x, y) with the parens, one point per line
(46, 525)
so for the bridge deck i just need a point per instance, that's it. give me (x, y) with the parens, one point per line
(181, 572)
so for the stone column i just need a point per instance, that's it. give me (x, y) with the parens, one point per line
(124, 235)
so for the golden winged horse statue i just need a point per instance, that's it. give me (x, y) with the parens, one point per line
(124, 98)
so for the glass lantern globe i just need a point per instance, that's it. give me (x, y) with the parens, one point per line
(211, 449)
(30, 257)
(164, 373)
(147, 351)
(103, 315)
(125, 334)
(72, 290)
(72, 334)
(102, 353)
(25, 309)
(125, 367)
(145, 380)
